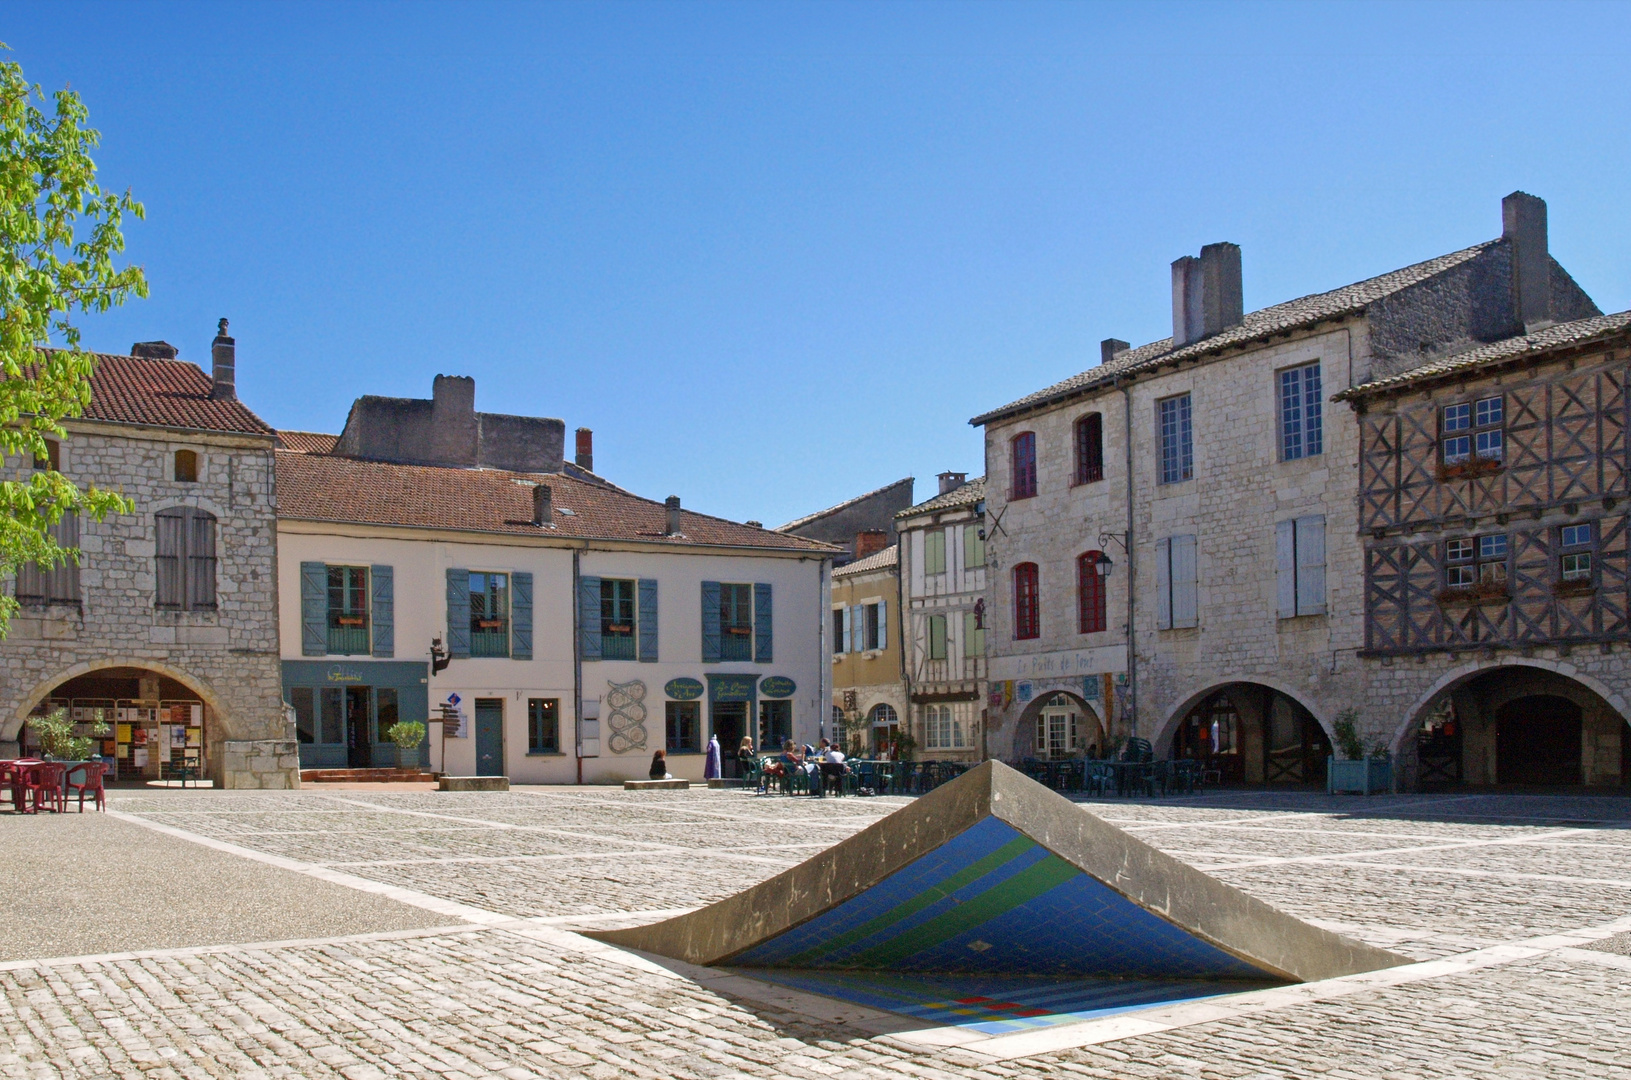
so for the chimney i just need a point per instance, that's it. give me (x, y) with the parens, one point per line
(543, 505)
(586, 451)
(1109, 347)
(1523, 225)
(870, 542)
(1206, 294)
(224, 355)
(951, 481)
(153, 350)
(672, 502)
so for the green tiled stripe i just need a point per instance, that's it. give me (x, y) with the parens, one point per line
(969, 874)
(1026, 885)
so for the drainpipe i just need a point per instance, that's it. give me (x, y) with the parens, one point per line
(577, 670)
(1132, 563)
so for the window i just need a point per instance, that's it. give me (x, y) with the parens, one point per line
(1474, 428)
(617, 641)
(1301, 421)
(1024, 465)
(943, 727)
(185, 553)
(1027, 603)
(1175, 583)
(489, 614)
(736, 622)
(973, 548)
(840, 631)
(934, 551)
(1575, 541)
(1480, 561)
(937, 637)
(40, 584)
(543, 725)
(1056, 732)
(348, 609)
(973, 635)
(1299, 550)
(186, 471)
(1090, 449)
(874, 626)
(52, 459)
(684, 727)
(1177, 439)
(1090, 600)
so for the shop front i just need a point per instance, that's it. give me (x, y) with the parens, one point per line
(343, 710)
(144, 726)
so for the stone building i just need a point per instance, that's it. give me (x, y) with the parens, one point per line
(167, 627)
(943, 573)
(868, 665)
(1492, 513)
(1177, 528)
(860, 526)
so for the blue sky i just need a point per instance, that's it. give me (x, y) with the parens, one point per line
(776, 255)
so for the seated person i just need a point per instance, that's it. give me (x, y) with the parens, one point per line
(831, 763)
(659, 766)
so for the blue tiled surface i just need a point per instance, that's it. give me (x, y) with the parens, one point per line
(991, 901)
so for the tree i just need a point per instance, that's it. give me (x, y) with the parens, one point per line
(59, 234)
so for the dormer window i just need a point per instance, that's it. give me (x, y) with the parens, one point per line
(186, 470)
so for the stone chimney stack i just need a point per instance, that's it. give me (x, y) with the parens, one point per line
(1206, 294)
(224, 357)
(951, 481)
(672, 503)
(1523, 225)
(586, 450)
(543, 505)
(870, 542)
(1109, 347)
(153, 350)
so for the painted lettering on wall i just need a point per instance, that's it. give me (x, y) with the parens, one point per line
(683, 689)
(777, 686)
(731, 687)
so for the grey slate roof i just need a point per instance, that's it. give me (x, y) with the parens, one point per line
(886, 559)
(966, 495)
(1553, 337)
(1291, 315)
(819, 514)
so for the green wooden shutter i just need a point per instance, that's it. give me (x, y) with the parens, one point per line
(313, 608)
(648, 621)
(589, 618)
(763, 643)
(710, 622)
(520, 616)
(382, 583)
(458, 614)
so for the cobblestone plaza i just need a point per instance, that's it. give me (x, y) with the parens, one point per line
(363, 933)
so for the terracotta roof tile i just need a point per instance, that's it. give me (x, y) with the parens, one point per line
(306, 442)
(316, 487)
(966, 495)
(164, 393)
(886, 559)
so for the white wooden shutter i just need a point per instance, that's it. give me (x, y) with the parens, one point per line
(1311, 565)
(1163, 585)
(1285, 563)
(1185, 609)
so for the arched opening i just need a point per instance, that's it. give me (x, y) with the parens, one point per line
(885, 725)
(1060, 725)
(1248, 733)
(145, 724)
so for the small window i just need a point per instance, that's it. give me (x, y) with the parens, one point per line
(1092, 616)
(1575, 561)
(186, 471)
(934, 551)
(1177, 439)
(1027, 603)
(840, 636)
(736, 622)
(1090, 449)
(543, 725)
(52, 459)
(348, 610)
(1470, 561)
(1473, 428)
(937, 637)
(973, 548)
(1024, 466)
(617, 641)
(874, 626)
(1302, 431)
(489, 614)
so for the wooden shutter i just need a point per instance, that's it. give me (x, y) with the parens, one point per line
(883, 624)
(844, 630)
(1285, 567)
(200, 560)
(1185, 609)
(763, 642)
(382, 586)
(170, 550)
(648, 620)
(1311, 565)
(62, 584)
(520, 615)
(458, 614)
(313, 608)
(937, 637)
(857, 628)
(1163, 584)
(589, 617)
(710, 622)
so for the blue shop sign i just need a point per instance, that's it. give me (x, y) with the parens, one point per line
(777, 686)
(683, 689)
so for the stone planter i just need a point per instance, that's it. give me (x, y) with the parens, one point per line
(1364, 777)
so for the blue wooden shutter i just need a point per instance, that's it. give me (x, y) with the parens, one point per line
(763, 644)
(589, 618)
(382, 583)
(458, 614)
(648, 621)
(710, 622)
(883, 624)
(313, 608)
(857, 628)
(520, 616)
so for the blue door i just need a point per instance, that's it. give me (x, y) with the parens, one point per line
(489, 736)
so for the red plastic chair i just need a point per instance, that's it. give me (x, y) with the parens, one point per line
(89, 782)
(45, 786)
(14, 777)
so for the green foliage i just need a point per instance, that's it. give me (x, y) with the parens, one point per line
(1349, 744)
(59, 233)
(407, 734)
(57, 738)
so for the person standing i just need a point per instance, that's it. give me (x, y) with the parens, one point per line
(710, 767)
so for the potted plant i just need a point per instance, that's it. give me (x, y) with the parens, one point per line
(1356, 771)
(407, 734)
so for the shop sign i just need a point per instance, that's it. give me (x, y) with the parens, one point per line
(731, 687)
(344, 673)
(1023, 691)
(777, 686)
(683, 689)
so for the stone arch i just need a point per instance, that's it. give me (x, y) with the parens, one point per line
(1466, 672)
(10, 727)
(194, 502)
(1025, 726)
(1162, 737)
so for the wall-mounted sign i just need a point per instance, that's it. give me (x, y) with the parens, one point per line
(731, 687)
(345, 673)
(777, 686)
(683, 689)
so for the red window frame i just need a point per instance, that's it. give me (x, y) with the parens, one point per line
(1027, 602)
(1023, 455)
(1090, 449)
(1092, 616)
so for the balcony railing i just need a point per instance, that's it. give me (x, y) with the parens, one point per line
(490, 641)
(736, 643)
(617, 646)
(348, 640)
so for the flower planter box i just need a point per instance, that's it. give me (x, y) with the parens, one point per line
(1358, 777)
